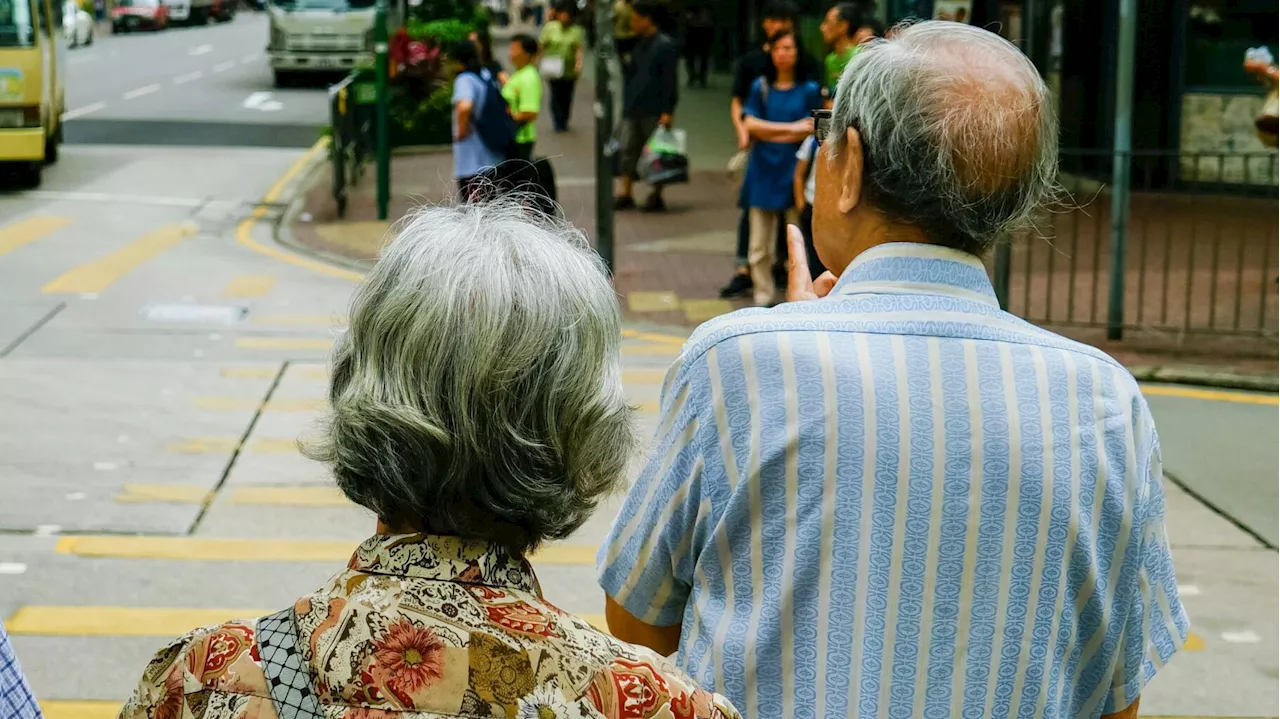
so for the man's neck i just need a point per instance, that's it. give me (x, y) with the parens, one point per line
(843, 45)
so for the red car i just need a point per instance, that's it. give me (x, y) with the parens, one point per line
(130, 15)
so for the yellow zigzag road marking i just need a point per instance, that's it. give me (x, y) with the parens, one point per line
(100, 274)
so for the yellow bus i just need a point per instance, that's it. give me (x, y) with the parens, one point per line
(32, 96)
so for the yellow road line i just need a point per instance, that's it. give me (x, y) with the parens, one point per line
(263, 550)
(1166, 390)
(282, 404)
(170, 493)
(653, 337)
(664, 350)
(247, 287)
(203, 445)
(77, 709)
(649, 407)
(244, 231)
(119, 621)
(644, 376)
(24, 232)
(284, 343)
(291, 496)
(323, 320)
(248, 372)
(105, 271)
(1194, 643)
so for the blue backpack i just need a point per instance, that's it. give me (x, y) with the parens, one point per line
(494, 124)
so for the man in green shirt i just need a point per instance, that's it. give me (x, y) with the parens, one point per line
(838, 30)
(523, 93)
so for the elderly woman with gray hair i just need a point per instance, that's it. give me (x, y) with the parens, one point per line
(479, 414)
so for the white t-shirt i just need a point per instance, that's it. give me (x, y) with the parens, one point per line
(807, 153)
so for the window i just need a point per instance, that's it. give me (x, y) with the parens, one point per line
(16, 27)
(1218, 33)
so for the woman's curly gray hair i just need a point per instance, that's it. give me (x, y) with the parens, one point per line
(477, 391)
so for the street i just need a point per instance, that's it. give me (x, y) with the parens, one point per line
(207, 85)
(160, 353)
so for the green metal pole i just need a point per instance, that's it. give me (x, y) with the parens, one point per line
(604, 131)
(383, 129)
(1120, 162)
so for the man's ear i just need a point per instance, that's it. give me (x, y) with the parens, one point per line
(851, 173)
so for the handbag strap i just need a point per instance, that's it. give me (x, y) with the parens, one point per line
(287, 675)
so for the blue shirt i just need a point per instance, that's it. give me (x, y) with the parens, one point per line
(470, 155)
(16, 700)
(772, 165)
(901, 501)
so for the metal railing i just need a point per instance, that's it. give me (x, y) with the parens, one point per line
(1200, 257)
(351, 142)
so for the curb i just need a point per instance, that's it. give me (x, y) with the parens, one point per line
(1197, 376)
(282, 232)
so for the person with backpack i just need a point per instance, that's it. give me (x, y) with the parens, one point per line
(484, 132)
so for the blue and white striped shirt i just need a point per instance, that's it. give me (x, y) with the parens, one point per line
(16, 700)
(901, 501)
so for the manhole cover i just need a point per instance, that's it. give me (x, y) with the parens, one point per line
(203, 314)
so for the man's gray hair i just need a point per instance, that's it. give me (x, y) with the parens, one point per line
(478, 390)
(958, 131)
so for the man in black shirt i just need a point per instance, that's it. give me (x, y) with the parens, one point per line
(649, 94)
(779, 16)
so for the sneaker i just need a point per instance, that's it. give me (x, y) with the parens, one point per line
(624, 203)
(653, 204)
(740, 286)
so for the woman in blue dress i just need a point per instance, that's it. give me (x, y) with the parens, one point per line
(779, 118)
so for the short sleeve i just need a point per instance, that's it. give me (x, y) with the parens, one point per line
(579, 37)
(465, 88)
(755, 101)
(530, 95)
(1155, 625)
(805, 153)
(646, 562)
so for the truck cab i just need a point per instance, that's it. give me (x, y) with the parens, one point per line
(319, 36)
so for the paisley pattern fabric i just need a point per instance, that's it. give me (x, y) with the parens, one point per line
(427, 626)
(900, 500)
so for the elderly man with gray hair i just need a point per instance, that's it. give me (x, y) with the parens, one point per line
(476, 407)
(888, 497)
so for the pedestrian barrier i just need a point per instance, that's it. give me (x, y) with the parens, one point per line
(351, 121)
(1200, 262)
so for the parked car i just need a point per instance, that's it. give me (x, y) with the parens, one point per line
(224, 10)
(189, 12)
(130, 15)
(77, 25)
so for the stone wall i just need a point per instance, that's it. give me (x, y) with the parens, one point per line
(1213, 123)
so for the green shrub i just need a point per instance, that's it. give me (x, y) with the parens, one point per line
(442, 33)
(422, 121)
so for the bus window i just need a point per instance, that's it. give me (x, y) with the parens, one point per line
(16, 27)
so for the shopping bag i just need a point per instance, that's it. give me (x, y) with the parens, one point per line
(551, 67)
(665, 159)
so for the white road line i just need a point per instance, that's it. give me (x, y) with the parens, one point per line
(251, 58)
(200, 50)
(80, 59)
(1241, 637)
(114, 199)
(1188, 590)
(82, 111)
(223, 66)
(12, 568)
(188, 77)
(139, 92)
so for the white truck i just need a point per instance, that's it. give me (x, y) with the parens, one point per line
(319, 36)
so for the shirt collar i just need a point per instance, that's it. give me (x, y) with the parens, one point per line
(917, 268)
(446, 559)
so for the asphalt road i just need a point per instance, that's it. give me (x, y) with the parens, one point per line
(209, 85)
(160, 354)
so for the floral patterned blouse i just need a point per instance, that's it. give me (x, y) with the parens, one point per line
(427, 626)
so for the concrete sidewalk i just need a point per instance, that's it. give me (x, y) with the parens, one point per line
(670, 266)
